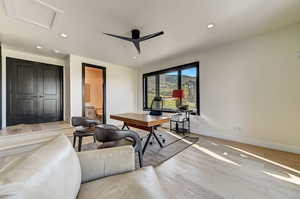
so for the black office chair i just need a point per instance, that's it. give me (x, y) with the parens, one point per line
(112, 136)
(157, 106)
(156, 109)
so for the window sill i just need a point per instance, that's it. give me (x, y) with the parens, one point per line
(170, 111)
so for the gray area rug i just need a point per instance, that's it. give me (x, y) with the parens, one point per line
(154, 155)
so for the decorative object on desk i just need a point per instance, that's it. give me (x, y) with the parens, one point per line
(157, 106)
(179, 94)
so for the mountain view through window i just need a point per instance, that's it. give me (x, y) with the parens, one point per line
(163, 83)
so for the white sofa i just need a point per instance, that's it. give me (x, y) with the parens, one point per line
(56, 171)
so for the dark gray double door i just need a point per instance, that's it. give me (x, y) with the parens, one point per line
(34, 92)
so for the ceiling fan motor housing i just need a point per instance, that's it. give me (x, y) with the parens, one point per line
(135, 37)
(135, 34)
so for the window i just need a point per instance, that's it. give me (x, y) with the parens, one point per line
(162, 83)
(151, 89)
(167, 83)
(189, 85)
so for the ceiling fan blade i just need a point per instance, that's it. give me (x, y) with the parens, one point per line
(137, 45)
(119, 37)
(151, 36)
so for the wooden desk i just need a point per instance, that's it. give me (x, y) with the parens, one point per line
(142, 121)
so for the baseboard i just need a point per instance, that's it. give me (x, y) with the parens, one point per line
(276, 146)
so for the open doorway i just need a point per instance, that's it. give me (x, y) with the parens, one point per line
(93, 92)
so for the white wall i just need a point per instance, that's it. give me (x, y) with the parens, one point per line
(121, 83)
(249, 90)
(121, 87)
(67, 92)
(6, 52)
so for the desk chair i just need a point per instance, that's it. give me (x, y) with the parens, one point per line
(156, 108)
(112, 136)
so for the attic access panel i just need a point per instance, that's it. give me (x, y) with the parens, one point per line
(34, 12)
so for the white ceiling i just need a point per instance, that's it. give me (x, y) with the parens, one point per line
(183, 21)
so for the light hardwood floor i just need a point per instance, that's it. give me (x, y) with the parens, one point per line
(216, 168)
(31, 128)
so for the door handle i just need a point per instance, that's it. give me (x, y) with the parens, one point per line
(41, 96)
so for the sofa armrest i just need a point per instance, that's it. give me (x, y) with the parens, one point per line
(106, 162)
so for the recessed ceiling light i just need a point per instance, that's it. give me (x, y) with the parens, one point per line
(39, 47)
(209, 26)
(63, 35)
(56, 51)
(133, 57)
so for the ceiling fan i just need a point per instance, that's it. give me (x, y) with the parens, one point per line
(136, 39)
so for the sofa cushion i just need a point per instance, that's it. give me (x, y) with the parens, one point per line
(97, 164)
(142, 183)
(51, 171)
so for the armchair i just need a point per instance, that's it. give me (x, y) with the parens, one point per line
(112, 136)
(83, 128)
(84, 122)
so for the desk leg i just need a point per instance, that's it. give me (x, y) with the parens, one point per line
(152, 133)
(125, 125)
(147, 142)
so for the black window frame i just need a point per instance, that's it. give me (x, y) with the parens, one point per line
(179, 81)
